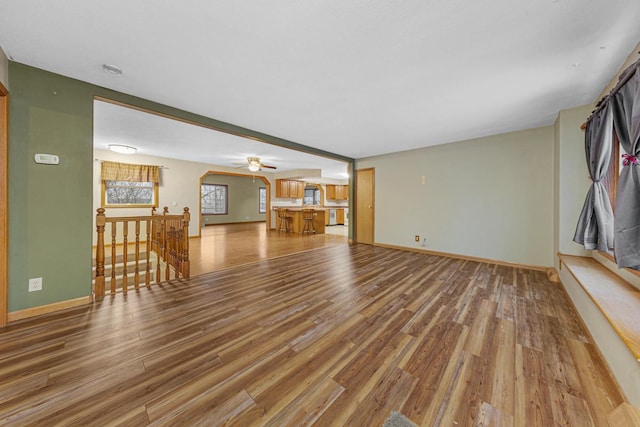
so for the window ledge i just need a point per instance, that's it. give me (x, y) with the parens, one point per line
(618, 301)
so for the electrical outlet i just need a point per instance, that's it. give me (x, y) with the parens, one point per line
(417, 238)
(35, 284)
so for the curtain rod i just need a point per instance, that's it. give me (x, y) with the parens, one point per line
(625, 76)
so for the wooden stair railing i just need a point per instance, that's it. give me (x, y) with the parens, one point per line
(166, 235)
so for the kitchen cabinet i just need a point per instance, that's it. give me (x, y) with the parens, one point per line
(282, 188)
(289, 189)
(340, 216)
(337, 192)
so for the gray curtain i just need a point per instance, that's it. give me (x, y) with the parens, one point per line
(626, 119)
(595, 225)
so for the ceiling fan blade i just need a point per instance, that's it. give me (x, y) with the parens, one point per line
(240, 163)
(268, 167)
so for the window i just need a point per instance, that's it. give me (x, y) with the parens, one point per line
(610, 180)
(129, 193)
(262, 197)
(127, 185)
(214, 199)
(311, 196)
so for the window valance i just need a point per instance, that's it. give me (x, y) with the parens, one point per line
(114, 171)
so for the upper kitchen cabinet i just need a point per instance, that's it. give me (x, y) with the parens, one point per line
(337, 192)
(289, 189)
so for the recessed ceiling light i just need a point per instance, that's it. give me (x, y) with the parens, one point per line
(111, 69)
(122, 149)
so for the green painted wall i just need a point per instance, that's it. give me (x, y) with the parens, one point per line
(50, 207)
(242, 202)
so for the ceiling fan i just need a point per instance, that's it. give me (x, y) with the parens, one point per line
(254, 165)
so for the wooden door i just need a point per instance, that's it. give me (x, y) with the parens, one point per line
(4, 187)
(365, 205)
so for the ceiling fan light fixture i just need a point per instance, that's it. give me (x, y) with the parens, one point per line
(254, 164)
(122, 149)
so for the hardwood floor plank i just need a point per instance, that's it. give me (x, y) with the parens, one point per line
(603, 396)
(204, 412)
(387, 395)
(435, 375)
(317, 398)
(479, 340)
(569, 410)
(338, 335)
(463, 403)
(536, 400)
(490, 416)
(503, 363)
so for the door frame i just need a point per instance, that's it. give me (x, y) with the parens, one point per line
(4, 188)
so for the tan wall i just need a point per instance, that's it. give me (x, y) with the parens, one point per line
(4, 69)
(489, 197)
(179, 185)
(571, 179)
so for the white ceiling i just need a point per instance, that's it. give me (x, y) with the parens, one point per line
(159, 136)
(356, 78)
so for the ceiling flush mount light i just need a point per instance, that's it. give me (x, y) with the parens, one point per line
(111, 69)
(122, 149)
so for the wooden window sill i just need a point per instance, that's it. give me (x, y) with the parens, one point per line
(618, 301)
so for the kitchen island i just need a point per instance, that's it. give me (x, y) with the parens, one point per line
(297, 223)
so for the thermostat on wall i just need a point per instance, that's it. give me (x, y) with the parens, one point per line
(47, 159)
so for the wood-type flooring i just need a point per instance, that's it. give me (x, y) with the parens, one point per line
(227, 245)
(338, 335)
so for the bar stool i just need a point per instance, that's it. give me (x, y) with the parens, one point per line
(307, 217)
(285, 220)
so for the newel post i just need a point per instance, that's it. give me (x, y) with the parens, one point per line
(186, 217)
(98, 289)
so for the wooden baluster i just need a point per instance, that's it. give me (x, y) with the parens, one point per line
(136, 276)
(154, 243)
(98, 288)
(125, 232)
(172, 238)
(113, 257)
(158, 255)
(165, 249)
(186, 216)
(147, 279)
(177, 238)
